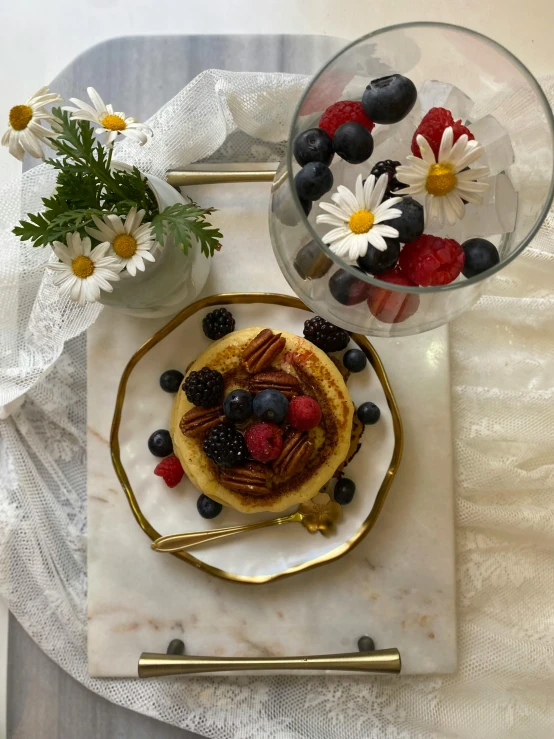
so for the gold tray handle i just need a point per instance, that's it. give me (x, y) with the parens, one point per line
(162, 665)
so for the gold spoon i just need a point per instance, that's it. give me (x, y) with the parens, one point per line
(319, 514)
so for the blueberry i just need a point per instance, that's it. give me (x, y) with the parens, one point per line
(368, 413)
(237, 406)
(344, 491)
(271, 405)
(389, 99)
(207, 507)
(348, 289)
(353, 142)
(411, 223)
(160, 443)
(480, 255)
(306, 206)
(375, 261)
(171, 380)
(313, 181)
(354, 360)
(311, 262)
(313, 145)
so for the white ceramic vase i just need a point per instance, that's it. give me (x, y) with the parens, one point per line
(168, 284)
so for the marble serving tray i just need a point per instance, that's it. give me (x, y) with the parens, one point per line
(397, 585)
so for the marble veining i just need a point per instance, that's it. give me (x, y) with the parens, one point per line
(397, 586)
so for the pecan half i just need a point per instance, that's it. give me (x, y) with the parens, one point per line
(251, 478)
(199, 420)
(288, 384)
(262, 350)
(297, 449)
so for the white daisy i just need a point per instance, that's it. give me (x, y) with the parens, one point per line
(25, 131)
(82, 271)
(110, 123)
(130, 242)
(443, 179)
(359, 218)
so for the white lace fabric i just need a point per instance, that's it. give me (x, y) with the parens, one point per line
(503, 408)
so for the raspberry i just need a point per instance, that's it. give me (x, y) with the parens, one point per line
(432, 127)
(389, 306)
(345, 111)
(431, 260)
(304, 413)
(171, 471)
(264, 441)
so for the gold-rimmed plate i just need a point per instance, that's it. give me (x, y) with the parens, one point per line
(269, 554)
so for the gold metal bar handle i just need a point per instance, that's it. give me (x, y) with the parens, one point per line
(183, 178)
(163, 665)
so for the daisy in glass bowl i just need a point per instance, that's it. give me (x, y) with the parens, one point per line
(130, 240)
(445, 180)
(359, 218)
(82, 271)
(110, 123)
(25, 132)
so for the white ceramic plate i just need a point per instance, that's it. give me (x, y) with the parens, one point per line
(258, 556)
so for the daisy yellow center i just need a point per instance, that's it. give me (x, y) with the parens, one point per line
(440, 179)
(124, 246)
(361, 221)
(82, 267)
(20, 116)
(113, 123)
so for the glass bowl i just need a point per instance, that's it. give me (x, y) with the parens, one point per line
(495, 95)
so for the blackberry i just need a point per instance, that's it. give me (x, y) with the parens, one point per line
(325, 335)
(218, 323)
(388, 166)
(226, 446)
(204, 387)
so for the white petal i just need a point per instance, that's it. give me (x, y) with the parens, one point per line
(376, 240)
(409, 177)
(83, 116)
(62, 253)
(75, 292)
(387, 232)
(341, 248)
(369, 185)
(336, 234)
(130, 220)
(458, 150)
(6, 137)
(446, 144)
(386, 215)
(14, 146)
(66, 286)
(40, 131)
(100, 251)
(331, 220)
(360, 193)
(30, 144)
(358, 247)
(449, 210)
(348, 197)
(426, 151)
(87, 246)
(131, 267)
(139, 136)
(415, 163)
(457, 204)
(75, 244)
(98, 235)
(413, 189)
(140, 215)
(148, 256)
(471, 197)
(85, 107)
(472, 186)
(342, 204)
(378, 192)
(470, 156)
(334, 211)
(477, 173)
(115, 223)
(96, 99)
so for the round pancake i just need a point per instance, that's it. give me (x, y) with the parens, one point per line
(319, 378)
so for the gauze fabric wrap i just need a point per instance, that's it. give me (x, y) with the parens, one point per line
(503, 406)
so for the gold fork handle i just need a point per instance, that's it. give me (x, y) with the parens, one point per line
(176, 542)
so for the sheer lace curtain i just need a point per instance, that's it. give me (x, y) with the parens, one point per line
(503, 393)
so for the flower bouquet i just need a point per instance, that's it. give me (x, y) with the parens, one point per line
(105, 221)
